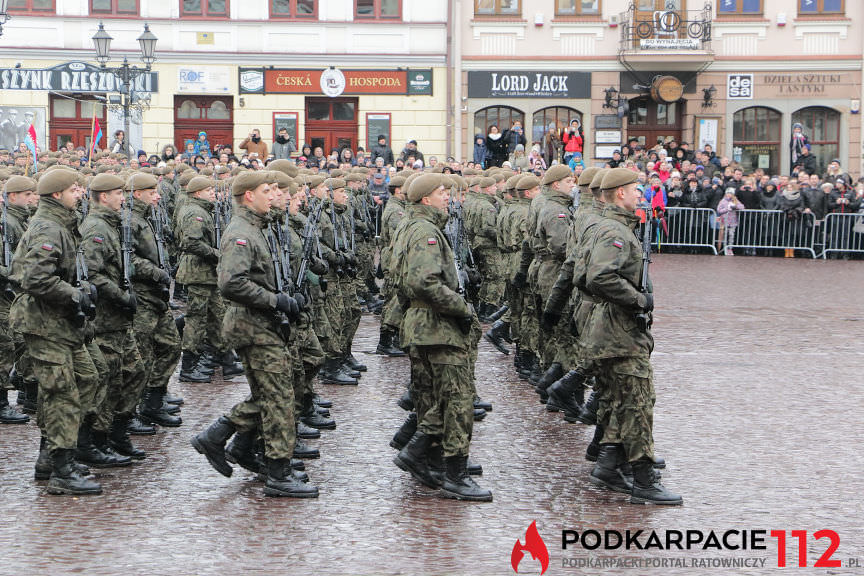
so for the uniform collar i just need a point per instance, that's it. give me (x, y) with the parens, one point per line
(257, 220)
(107, 214)
(206, 204)
(53, 209)
(20, 212)
(618, 214)
(430, 214)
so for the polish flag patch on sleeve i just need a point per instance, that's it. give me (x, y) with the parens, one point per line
(98, 239)
(47, 246)
(199, 219)
(432, 241)
(241, 242)
(618, 244)
(562, 215)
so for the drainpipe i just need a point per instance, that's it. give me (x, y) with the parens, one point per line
(450, 112)
(456, 78)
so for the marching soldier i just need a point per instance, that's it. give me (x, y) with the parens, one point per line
(481, 214)
(391, 316)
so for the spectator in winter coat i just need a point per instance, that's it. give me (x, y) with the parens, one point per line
(202, 146)
(807, 162)
(572, 139)
(168, 153)
(283, 146)
(835, 171)
(515, 136)
(518, 159)
(769, 198)
(382, 150)
(411, 150)
(497, 146)
(797, 143)
(481, 153)
(535, 159)
(253, 144)
(728, 209)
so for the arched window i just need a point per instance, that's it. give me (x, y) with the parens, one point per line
(822, 127)
(555, 118)
(756, 139)
(501, 116)
(189, 110)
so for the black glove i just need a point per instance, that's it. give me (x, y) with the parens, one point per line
(338, 259)
(649, 302)
(319, 266)
(162, 277)
(129, 303)
(464, 324)
(474, 276)
(287, 305)
(86, 305)
(519, 280)
(94, 295)
(301, 300)
(323, 282)
(550, 320)
(351, 259)
(379, 272)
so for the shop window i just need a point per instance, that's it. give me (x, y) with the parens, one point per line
(294, 9)
(577, 7)
(553, 119)
(806, 7)
(377, 9)
(822, 128)
(739, 7)
(204, 8)
(501, 116)
(114, 7)
(756, 139)
(497, 8)
(38, 7)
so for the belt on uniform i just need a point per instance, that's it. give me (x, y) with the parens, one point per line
(420, 304)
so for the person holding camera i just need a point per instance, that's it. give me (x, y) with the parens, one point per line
(573, 140)
(254, 146)
(283, 146)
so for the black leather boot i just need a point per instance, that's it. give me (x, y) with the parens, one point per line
(413, 458)
(437, 468)
(485, 310)
(479, 414)
(567, 394)
(474, 469)
(9, 415)
(89, 449)
(65, 479)
(647, 487)
(152, 409)
(497, 335)
(527, 365)
(607, 473)
(172, 399)
(211, 443)
(593, 449)
(331, 373)
(307, 432)
(242, 450)
(405, 432)
(552, 373)
(138, 427)
(231, 366)
(101, 442)
(311, 418)
(459, 485)
(304, 451)
(405, 401)
(281, 482)
(189, 369)
(322, 402)
(386, 344)
(31, 387)
(482, 404)
(352, 362)
(588, 413)
(119, 438)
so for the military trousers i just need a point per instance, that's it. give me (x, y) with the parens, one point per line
(307, 357)
(269, 408)
(353, 313)
(158, 343)
(488, 261)
(443, 395)
(7, 345)
(126, 376)
(66, 373)
(626, 407)
(204, 312)
(334, 309)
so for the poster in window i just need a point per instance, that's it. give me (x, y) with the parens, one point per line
(287, 120)
(15, 122)
(377, 124)
(707, 132)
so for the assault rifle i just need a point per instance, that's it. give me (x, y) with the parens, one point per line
(126, 247)
(82, 283)
(7, 243)
(644, 318)
(158, 231)
(284, 327)
(310, 239)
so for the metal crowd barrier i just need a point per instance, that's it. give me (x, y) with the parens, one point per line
(771, 229)
(842, 233)
(687, 227)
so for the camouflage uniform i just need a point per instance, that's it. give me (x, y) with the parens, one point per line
(198, 259)
(394, 213)
(529, 265)
(332, 248)
(480, 215)
(11, 344)
(513, 230)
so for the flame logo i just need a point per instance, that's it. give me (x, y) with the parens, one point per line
(533, 544)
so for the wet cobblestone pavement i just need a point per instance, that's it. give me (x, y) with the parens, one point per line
(758, 371)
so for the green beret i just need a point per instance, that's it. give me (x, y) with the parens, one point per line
(617, 177)
(197, 184)
(248, 181)
(20, 184)
(556, 173)
(527, 182)
(183, 167)
(141, 182)
(285, 166)
(283, 180)
(335, 183)
(587, 176)
(315, 180)
(513, 180)
(106, 183)
(336, 173)
(355, 177)
(486, 181)
(474, 181)
(397, 181)
(598, 178)
(423, 186)
(186, 177)
(270, 176)
(206, 172)
(362, 170)
(56, 181)
(406, 188)
(461, 183)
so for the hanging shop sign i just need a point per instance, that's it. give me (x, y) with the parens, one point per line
(73, 77)
(505, 84)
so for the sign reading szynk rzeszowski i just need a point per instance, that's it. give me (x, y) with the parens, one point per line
(73, 77)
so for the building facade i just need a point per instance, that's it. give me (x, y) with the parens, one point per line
(334, 72)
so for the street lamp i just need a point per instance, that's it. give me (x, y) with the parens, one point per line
(126, 72)
(4, 16)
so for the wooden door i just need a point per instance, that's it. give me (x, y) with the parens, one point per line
(71, 122)
(331, 123)
(211, 114)
(650, 121)
(660, 19)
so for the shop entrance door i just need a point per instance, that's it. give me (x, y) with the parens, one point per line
(211, 114)
(651, 122)
(331, 123)
(72, 120)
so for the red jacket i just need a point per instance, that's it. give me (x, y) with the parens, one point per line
(571, 143)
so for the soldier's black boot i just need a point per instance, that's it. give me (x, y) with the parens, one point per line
(323, 403)
(304, 451)
(179, 292)
(311, 418)
(16, 380)
(554, 372)
(9, 415)
(567, 394)
(497, 335)
(647, 487)
(607, 472)
(386, 344)
(413, 458)
(474, 469)
(89, 449)
(593, 449)
(307, 432)
(481, 404)
(437, 469)
(65, 479)
(536, 373)
(352, 362)
(281, 481)
(211, 443)
(588, 413)
(31, 387)
(152, 410)
(42, 468)
(242, 450)
(119, 438)
(231, 366)
(100, 441)
(485, 310)
(172, 399)
(138, 427)
(405, 432)
(527, 364)
(189, 370)
(459, 485)
(331, 373)
(479, 414)
(405, 401)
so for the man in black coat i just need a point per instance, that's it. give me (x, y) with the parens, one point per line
(382, 150)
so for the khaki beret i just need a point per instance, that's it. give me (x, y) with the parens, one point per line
(186, 177)
(315, 180)
(474, 181)
(500, 176)
(424, 185)
(461, 183)
(360, 170)
(406, 188)
(285, 166)
(587, 176)
(106, 183)
(556, 173)
(20, 184)
(513, 180)
(248, 181)
(598, 178)
(617, 177)
(206, 172)
(397, 181)
(141, 182)
(486, 182)
(197, 184)
(148, 170)
(527, 182)
(49, 161)
(222, 170)
(469, 172)
(270, 176)
(86, 170)
(335, 183)
(283, 180)
(183, 167)
(336, 173)
(355, 177)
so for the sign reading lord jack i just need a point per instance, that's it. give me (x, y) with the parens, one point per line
(503, 84)
(337, 82)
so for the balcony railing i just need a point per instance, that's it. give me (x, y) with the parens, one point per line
(666, 30)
